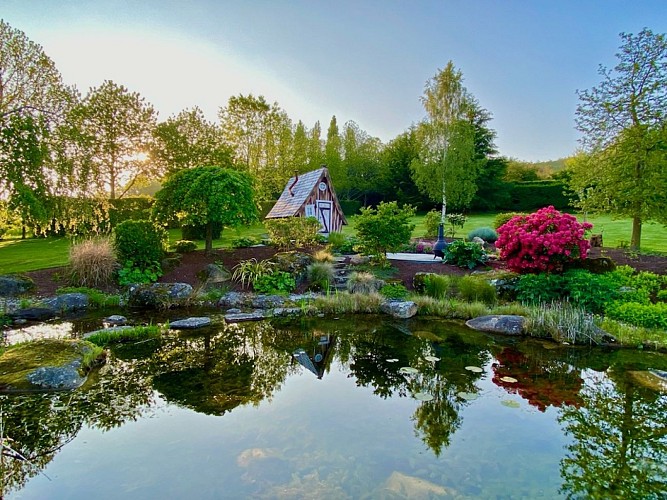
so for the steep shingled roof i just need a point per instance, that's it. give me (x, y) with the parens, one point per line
(288, 205)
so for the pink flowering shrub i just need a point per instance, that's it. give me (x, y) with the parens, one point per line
(542, 241)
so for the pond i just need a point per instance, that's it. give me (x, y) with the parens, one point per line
(364, 407)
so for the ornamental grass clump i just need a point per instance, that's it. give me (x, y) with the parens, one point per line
(320, 275)
(564, 323)
(542, 241)
(363, 283)
(92, 263)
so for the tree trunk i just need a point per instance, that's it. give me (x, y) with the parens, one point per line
(209, 237)
(635, 241)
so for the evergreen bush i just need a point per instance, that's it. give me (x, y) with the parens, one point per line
(141, 242)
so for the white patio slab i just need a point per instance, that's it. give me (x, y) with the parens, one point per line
(414, 257)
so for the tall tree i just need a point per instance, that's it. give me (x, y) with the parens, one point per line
(623, 126)
(446, 169)
(315, 153)
(114, 127)
(260, 136)
(365, 175)
(333, 156)
(300, 148)
(188, 140)
(397, 157)
(29, 80)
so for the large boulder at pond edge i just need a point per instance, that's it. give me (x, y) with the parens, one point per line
(402, 309)
(214, 276)
(507, 324)
(45, 365)
(12, 285)
(159, 295)
(67, 302)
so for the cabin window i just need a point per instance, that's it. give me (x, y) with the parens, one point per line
(310, 210)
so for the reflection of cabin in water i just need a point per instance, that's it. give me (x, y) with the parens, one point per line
(317, 357)
(311, 195)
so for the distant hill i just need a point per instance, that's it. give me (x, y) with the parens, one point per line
(546, 169)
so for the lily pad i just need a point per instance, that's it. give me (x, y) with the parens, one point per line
(392, 360)
(510, 403)
(409, 370)
(468, 396)
(431, 358)
(475, 369)
(423, 396)
(510, 380)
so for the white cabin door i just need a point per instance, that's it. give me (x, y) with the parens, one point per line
(324, 215)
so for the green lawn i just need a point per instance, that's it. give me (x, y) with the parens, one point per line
(39, 253)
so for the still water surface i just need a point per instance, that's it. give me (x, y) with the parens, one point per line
(359, 408)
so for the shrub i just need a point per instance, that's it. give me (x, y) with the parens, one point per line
(277, 282)
(542, 241)
(344, 244)
(184, 246)
(293, 231)
(130, 273)
(92, 263)
(320, 275)
(140, 241)
(384, 229)
(645, 315)
(323, 256)
(476, 289)
(247, 271)
(432, 222)
(465, 254)
(349, 303)
(439, 286)
(456, 221)
(503, 218)
(394, 291)
(244, 242)
(364, 283)
(335, 240)
(488, 234)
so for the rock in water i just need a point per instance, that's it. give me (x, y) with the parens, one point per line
(498, 323)
(399, 308)
(414, 487)
(190, 323)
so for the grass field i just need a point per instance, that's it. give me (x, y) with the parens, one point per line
(18, 256)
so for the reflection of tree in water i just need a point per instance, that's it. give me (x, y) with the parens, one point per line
(218, 371)
(543, 378)
(368, 353)
(620, 441)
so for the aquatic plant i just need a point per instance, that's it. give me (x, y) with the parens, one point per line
(119, 335)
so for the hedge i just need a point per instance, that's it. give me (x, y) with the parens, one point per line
(531, 195)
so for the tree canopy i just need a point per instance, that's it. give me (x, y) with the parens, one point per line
(207, 195)
(623, 168)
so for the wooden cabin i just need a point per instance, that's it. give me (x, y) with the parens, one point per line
(311, 195)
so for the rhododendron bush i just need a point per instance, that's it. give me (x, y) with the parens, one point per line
(542, 241)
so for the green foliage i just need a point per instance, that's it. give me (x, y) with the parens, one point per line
(293, 231)
(245, 242)
(476, 289)
(363, 283)
(198, 231)
(635, 336)
(247, 271)
(184, 246)
(92, 262)
(439, 286)
(343, 244)
(119, 335)
(528, 196)
(394, 291)
(432, 222)
(540, 288)
(488, 234)
(207, 196)
(504, 217)
(277, 282)
(139, 241)
(132, 273)
(320, 275)
(349, 303)
(350, 207)
(644, 315)
(384, 229)
(465, 254)
(96, 298)
(129, 208)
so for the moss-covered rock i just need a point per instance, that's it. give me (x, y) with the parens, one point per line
(47, 365)
(13, 285)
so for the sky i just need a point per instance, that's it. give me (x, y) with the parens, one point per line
(364, 60)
